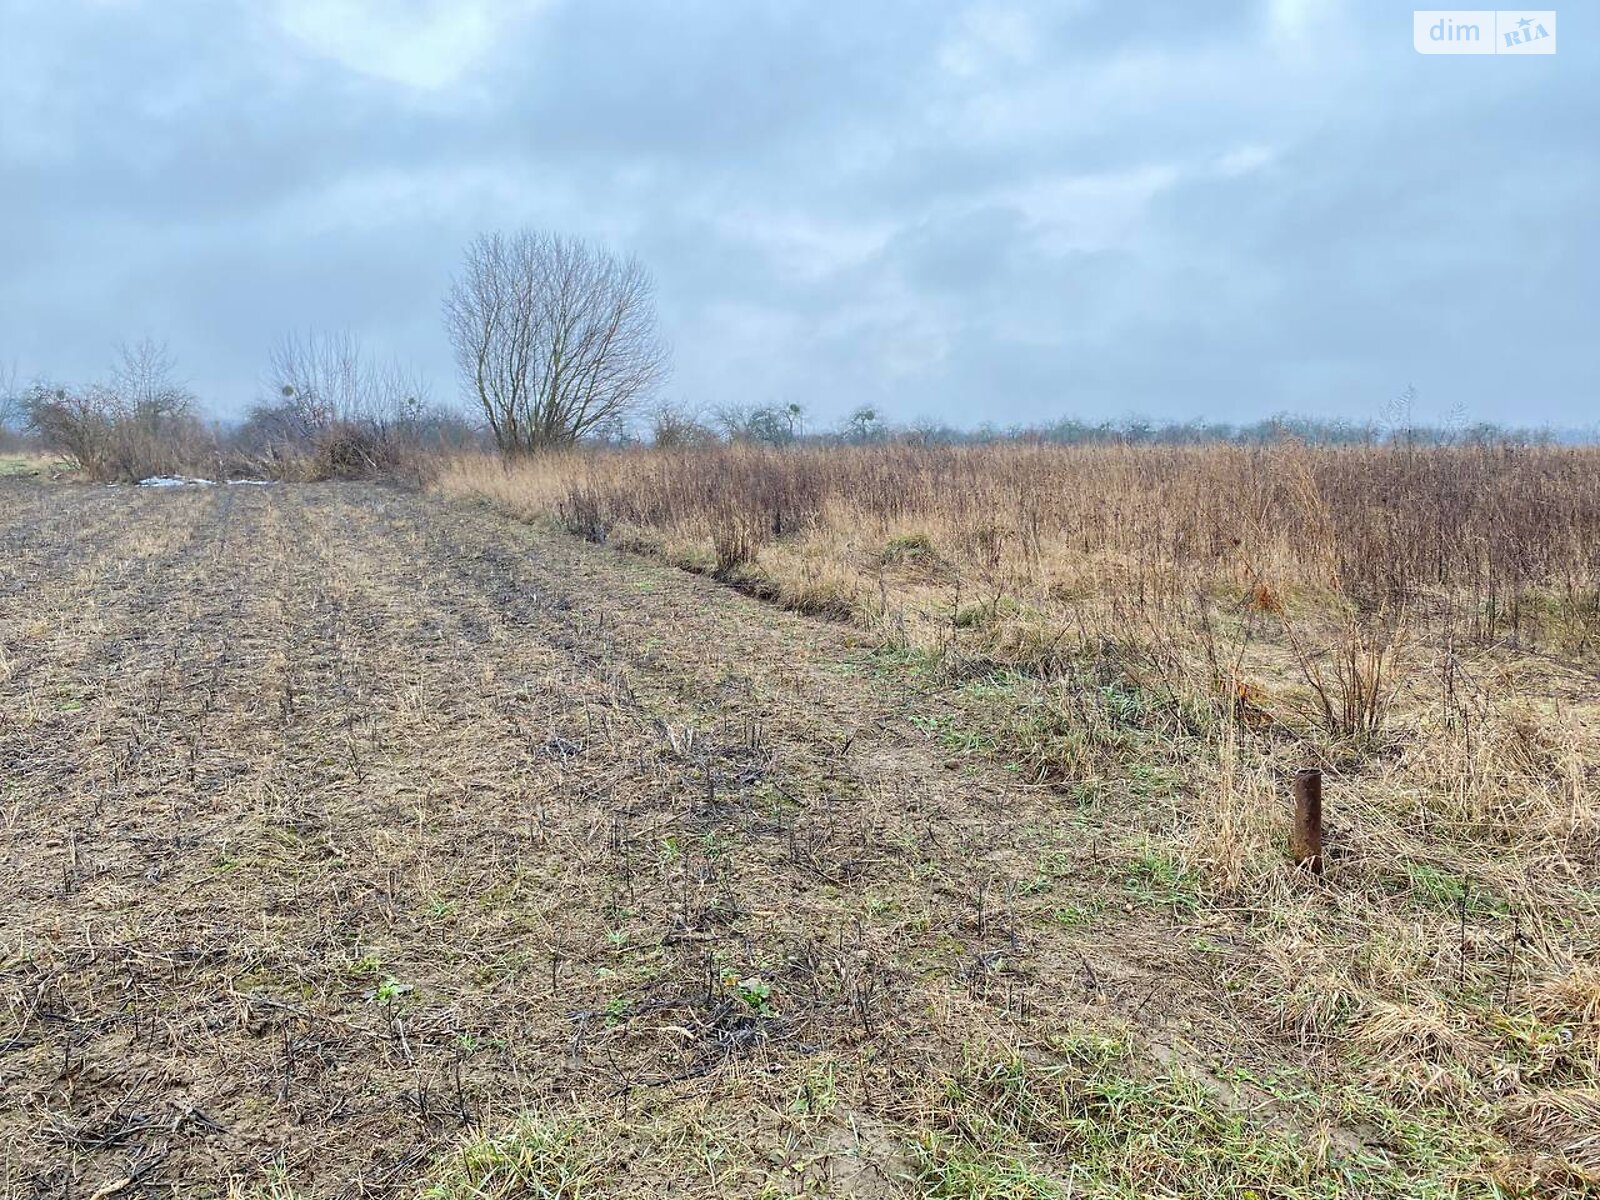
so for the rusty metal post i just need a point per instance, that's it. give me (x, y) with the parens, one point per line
(1306, 843)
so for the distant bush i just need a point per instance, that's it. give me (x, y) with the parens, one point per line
(768, 425)
(673, 427)
(334, 413)
(337, 414)
(138, 424)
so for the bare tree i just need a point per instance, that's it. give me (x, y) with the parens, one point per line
(321, 379)
(864, 425)
(324, 379)
(555, 338)
(11, 414)
(768, 425)
(351, 413)
(679, 427)
(145, 383)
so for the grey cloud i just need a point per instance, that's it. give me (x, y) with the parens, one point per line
(975, 211)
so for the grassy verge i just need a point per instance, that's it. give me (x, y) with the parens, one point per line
(1087, 1115)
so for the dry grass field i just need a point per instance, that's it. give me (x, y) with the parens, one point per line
(362, 842)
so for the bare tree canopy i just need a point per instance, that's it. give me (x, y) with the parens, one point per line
(354, 415)
(145, 383)
(326, 378)
(10, 397)
(555, 338)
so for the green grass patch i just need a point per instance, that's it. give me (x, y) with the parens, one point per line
(908, 547)
(1156, 878)
(548, 1159)
(1101, 1123)
(1441, 889)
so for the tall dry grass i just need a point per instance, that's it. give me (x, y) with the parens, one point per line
(1503, 536)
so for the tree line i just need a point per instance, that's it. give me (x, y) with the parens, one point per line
(557, 342)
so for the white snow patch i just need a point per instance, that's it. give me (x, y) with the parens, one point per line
(166, 481)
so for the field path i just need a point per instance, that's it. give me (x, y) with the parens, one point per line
(341, 823)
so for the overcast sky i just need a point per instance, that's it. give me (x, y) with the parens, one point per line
(970, 211)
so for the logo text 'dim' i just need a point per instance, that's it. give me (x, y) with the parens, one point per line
(1483, 31)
